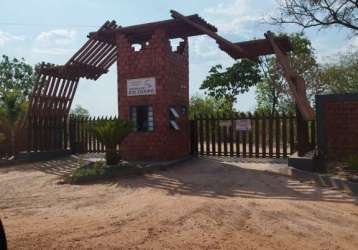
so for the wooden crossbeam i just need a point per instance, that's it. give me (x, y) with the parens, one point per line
(262, 47)
(232, 49)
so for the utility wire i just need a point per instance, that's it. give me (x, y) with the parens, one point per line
(47, 25)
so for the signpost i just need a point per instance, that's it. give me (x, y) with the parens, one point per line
(141, 86)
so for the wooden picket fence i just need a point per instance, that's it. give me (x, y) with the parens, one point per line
(267, 137)
(80, 139)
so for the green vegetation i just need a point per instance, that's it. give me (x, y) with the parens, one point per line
(342, 76)
(227, 84)
(208, 106)
(94, 169)
(16, 81)
(111, 133)
(99, 170)
(78, 110)
(272, 92)
(352, 162)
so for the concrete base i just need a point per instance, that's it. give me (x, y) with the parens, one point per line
(42, 156)
(307, 162)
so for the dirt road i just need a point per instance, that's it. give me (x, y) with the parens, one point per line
(199, 204)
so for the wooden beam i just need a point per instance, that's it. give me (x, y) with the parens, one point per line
(223, 43)
(296, 83)
(262, 47)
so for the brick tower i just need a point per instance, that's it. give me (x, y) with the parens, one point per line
(153, 92)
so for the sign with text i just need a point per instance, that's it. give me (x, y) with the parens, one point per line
(243, 125)
(141, 86)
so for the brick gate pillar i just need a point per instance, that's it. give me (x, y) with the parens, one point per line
(153, 92)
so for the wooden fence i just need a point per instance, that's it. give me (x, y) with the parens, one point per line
(234, 135)
(246, 135)
(80, 139)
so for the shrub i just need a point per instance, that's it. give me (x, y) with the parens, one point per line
(352, 162)
(111, 133)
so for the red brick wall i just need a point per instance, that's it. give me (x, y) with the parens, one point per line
(171, 71)
(340, 123)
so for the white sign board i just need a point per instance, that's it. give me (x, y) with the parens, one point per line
(141, 86)
(243, 125)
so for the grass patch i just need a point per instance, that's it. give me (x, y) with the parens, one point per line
(99, 170)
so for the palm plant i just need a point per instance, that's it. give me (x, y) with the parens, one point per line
(12, 110)
(111, 133)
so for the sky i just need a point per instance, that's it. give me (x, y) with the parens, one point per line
(53, 30)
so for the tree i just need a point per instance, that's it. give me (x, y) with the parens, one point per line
(273, 93)
(235, 80)
(342, 76)
(319, 13)
(208, 106)
(16, 76)
(16, 81)
(78, 110)
(111, 133)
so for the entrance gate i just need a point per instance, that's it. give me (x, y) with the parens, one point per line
(247, 136)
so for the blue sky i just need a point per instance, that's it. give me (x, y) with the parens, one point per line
(53, 30)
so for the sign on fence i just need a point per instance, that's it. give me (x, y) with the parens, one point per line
(141, 86)
(243, 125)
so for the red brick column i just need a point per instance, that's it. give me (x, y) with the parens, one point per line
(337, 117)
(170, 69)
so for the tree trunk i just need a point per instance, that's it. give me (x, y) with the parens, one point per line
(112, 156)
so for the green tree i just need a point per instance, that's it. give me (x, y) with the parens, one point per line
(16, 76)
(272, 93)
(231, 82)
(78, 110)
(16, 81)
(111, 133)
(342, 76)
(208, 106)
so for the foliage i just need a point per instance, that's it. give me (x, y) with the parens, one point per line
(111, 133)
(235, 80)
(98, 170)
(342, 76)
(2, 137)
(78, 110)
(353, 162)
(16, 81)
(16, 76)
(94, 169)
(273, 93)
(208, 106)
(319, 13)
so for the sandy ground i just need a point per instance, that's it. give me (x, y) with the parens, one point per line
(200, 204)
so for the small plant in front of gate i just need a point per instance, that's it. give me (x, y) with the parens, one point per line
(111, 133)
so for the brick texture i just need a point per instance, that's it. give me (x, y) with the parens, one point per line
(171, 71)
(341, 129)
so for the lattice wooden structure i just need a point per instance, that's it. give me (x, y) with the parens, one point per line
(56, 85)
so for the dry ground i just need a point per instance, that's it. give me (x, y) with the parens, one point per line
(199, 204)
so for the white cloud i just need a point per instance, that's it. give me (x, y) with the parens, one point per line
(7, 37)
(52, 51)
(235, 16)
(55, 42)
(57, 37)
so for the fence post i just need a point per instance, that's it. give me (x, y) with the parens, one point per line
(302, 134)
(72, 130)
(194, 137)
